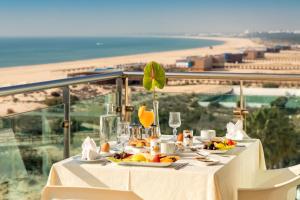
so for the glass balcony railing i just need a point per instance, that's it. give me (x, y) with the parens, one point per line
(32, 141)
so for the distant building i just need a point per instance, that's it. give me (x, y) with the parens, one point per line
(284, 47)
(254, 54)
(200, 63)
(184, 63)
(273, 50)
(218, 61)
(233, 57)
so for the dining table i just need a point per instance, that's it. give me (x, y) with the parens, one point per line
(236, 168)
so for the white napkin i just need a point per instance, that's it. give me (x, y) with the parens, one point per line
(235, 131)
(89, 149)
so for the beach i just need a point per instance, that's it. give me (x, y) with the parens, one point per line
(43, 72)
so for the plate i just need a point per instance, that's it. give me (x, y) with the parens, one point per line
(215, 151)
(97, 160)
(106, 154)
(145, 164)
(208, 161)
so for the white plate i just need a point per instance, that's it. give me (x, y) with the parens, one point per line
(107, 154)
(146, 164)
(215, 151)
(209, 161)
(99, 159)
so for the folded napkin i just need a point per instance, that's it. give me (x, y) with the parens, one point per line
(89, 149)
(235, 131)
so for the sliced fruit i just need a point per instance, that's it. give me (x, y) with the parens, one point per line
(156, 158)
(138, 158)
(219, 145)
(141, 110)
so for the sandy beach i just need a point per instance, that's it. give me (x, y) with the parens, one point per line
(43, 72)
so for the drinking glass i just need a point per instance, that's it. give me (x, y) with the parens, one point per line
(123, 134)
(147, 118)
(174, 122)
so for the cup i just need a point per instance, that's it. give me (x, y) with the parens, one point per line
(208, 134)
(168, 148)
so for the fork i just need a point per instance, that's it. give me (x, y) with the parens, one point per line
(180, 165)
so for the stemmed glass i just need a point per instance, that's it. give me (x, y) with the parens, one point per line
(122, 133)
(174, 122)
(147, 118)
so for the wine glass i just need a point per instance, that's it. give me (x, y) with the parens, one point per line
(123, 133)
(174, 122)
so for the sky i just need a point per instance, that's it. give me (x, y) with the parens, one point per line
(143, 17)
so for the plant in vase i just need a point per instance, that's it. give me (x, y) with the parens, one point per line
(154, 77)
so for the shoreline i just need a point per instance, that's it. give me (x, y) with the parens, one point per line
(43, 72)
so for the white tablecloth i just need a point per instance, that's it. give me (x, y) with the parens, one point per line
(195, 181)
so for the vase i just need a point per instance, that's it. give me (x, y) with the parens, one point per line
(156, 117)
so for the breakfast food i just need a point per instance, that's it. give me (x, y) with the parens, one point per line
(122, 155)
(219, 144)
(143, 157)
(156, 158)
(105, 147)
(139, 143)
(138, 158)
(169, 159)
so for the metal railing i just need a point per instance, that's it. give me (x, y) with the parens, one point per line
(122, 84)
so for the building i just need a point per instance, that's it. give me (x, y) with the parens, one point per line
(200, 63)
(284, 47)
(218, 61)
(184, 63)
(233, 57)
(254, 54)
(273, 50)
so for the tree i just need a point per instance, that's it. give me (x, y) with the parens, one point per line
(277, 134)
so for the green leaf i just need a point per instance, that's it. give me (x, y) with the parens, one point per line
(154, 76)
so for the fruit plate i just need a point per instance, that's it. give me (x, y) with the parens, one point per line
(218, 151)
(146, 164)
(97, 160)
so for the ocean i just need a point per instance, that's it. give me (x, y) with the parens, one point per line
(31, 51)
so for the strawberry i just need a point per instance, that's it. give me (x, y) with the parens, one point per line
(230, 142)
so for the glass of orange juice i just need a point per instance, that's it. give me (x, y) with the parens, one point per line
(146, 117)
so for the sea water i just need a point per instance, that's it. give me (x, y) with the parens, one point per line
(31, 51)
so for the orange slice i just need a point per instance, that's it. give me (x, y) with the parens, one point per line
(141, 110)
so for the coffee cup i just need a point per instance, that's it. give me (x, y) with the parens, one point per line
(168, 148)
(208, 134)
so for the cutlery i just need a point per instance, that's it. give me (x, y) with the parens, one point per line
(180, 165)
(200, 154)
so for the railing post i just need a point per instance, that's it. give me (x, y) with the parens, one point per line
(241, 111)
(66, 123)
(128, 108)
(119, 86)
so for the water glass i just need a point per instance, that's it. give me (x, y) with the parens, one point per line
(123, 133)
(174, 122)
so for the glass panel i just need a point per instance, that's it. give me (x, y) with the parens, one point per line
(86, 110)
(29, 142)
(209, 108)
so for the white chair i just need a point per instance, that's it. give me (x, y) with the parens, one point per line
(277, 184)
(80, 193)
